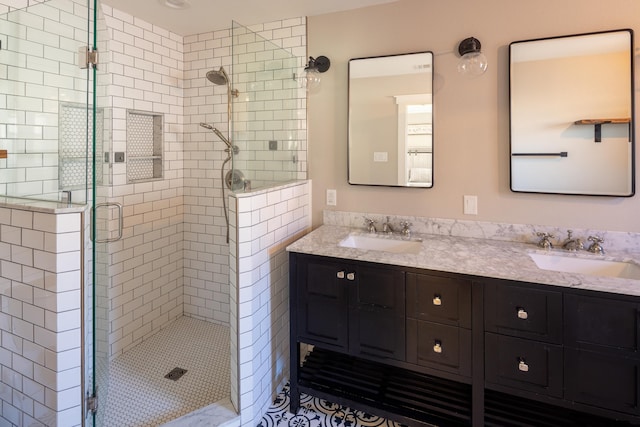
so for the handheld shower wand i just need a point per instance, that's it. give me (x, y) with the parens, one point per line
(218, 134)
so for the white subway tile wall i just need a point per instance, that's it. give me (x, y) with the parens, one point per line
(145, 65)
(206, 263)
(39, 54)
(263, 224)
(40, 351)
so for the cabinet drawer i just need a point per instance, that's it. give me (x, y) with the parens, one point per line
(443, 347)
(602, 380)
(521, 311)
(595, 322)
(526, 365)
(439, 299)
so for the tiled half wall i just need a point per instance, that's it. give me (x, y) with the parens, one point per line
(263, 224)
(40, 320)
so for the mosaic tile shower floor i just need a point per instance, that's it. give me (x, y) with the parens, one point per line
(316, 412)
(140, 395)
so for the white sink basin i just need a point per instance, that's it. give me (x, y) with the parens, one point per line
(595, 266)
(372, 243)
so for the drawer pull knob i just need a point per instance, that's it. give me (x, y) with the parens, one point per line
(437, 300)
(340, 275)
(522, 314)
(437, 347)
(351, 276)
(522, 366)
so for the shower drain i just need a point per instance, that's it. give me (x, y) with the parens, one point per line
(176, 374)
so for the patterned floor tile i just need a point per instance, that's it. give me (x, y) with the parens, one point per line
(316, 412)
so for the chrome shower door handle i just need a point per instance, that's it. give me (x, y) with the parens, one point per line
(120, 222)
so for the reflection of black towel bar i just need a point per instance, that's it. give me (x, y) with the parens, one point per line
(560, 154)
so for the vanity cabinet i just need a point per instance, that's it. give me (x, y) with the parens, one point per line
(434, 348)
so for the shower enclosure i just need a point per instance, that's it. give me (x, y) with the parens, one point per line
(64, 130)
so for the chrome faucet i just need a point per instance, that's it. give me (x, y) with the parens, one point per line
(572, 244)
(386, 227)
(596, 246)
(544, 242)
(406, 230)
(370, 224)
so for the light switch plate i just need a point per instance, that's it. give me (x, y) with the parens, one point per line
(380, 156)
(470, 205)
(332, 197)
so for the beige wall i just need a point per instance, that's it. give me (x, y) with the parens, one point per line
(471, 124)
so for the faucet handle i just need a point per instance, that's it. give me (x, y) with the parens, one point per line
(544, 239)
(406, 230)
(596, 246)
(370, 224)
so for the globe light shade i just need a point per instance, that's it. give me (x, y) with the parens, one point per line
(472, 60)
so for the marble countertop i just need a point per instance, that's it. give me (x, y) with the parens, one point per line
(45, 206)
(472, 256)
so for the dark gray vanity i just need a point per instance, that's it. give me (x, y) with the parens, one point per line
(394, 335)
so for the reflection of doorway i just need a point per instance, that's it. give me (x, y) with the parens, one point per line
(415, 140)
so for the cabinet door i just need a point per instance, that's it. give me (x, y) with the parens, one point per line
(439, 299)
(604, 380)
(377, 310)
(322, 303)
(601, 323)
(523, 364)
(522, 311)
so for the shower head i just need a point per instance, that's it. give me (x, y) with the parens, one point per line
(218, 134)
(218, 77)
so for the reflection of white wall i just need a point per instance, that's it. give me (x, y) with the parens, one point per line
(415, 139)
(548, 96)
(373, 129)
(373, 125)
(38, 73)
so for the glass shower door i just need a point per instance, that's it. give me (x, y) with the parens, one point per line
(106, 220)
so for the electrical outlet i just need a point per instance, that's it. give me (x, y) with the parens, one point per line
(332, 197)
(470, 205)
(273, 145)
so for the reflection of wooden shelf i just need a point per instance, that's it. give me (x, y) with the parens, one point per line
(601, 121)
(598, 125)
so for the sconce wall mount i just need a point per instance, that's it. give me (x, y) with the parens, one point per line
(321, 64)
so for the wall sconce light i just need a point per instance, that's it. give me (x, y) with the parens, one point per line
(472, 60)
(313, 69)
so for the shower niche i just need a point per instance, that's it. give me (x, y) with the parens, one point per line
(74, 168)
(144, 146)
